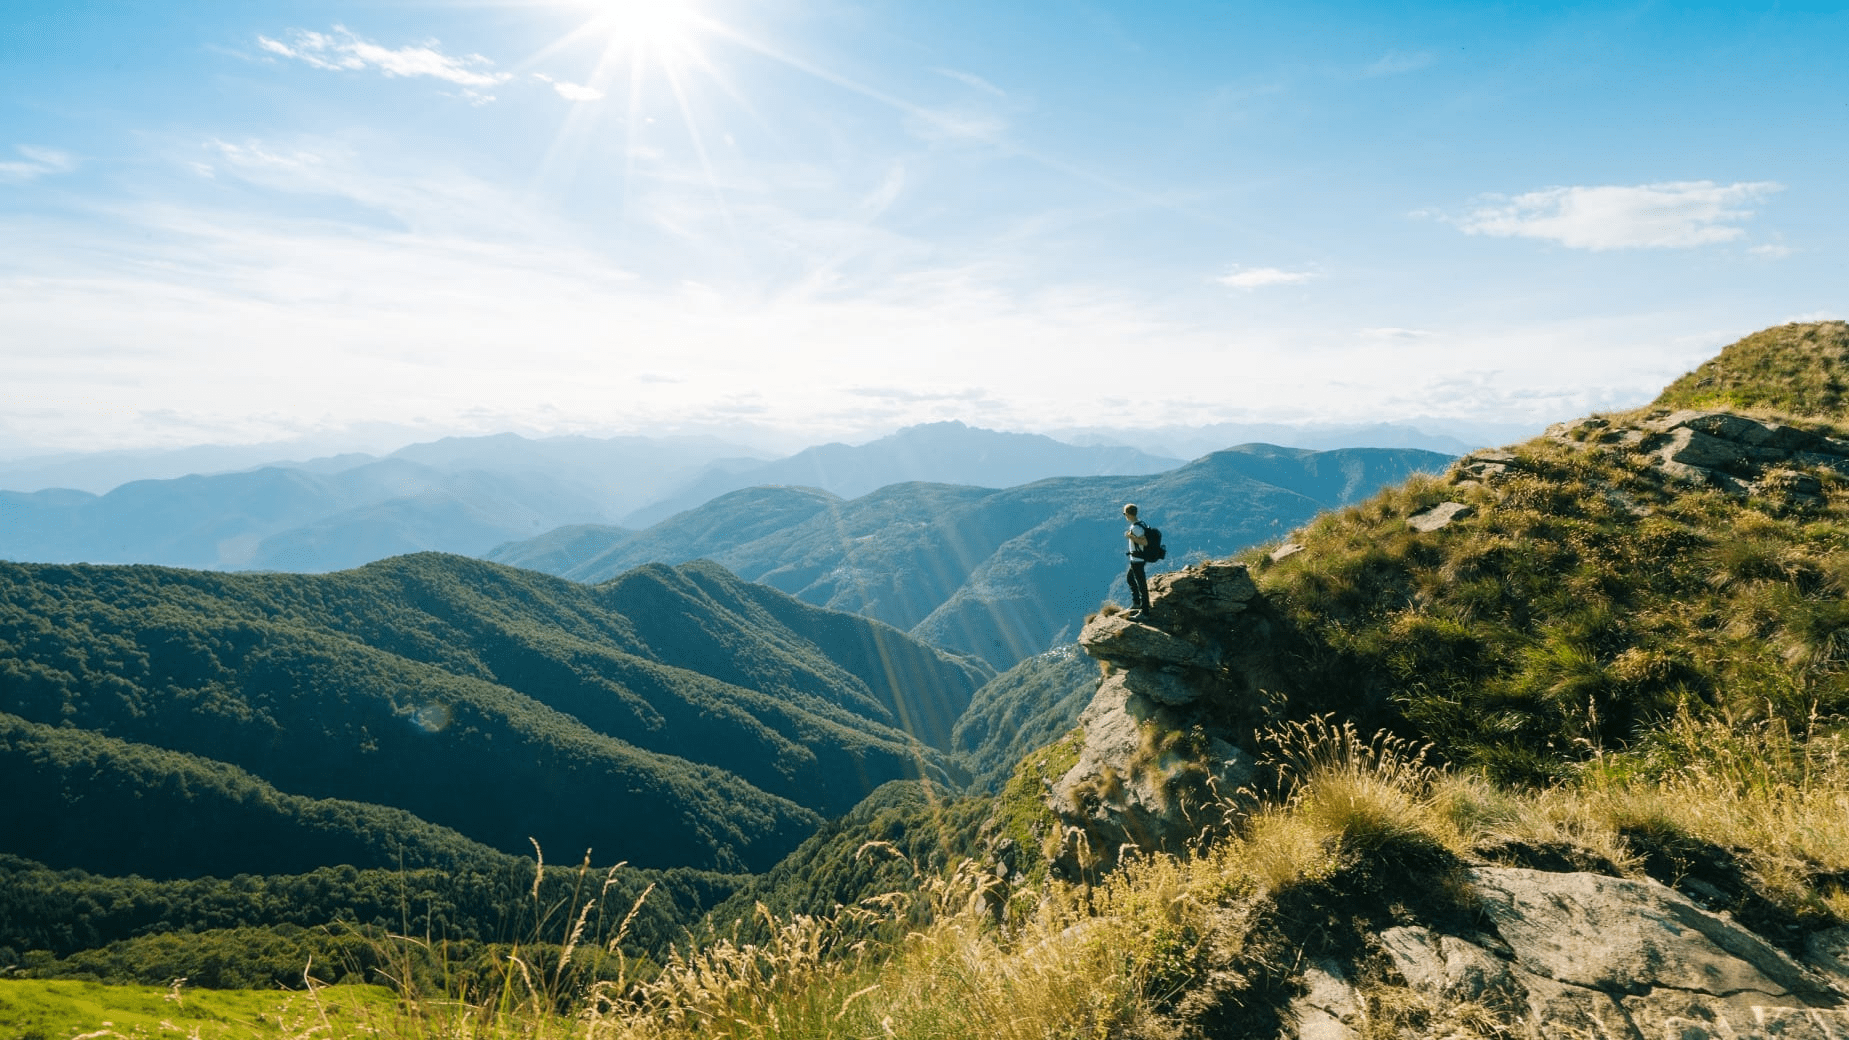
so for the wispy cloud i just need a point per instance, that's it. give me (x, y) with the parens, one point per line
(1261, 277)
(571, 91)
(37, 163)
(970, 79)
(938, 125)
(1394, 335)
(1771, 251)
(1395, 63)
(1670, 215)
(342, 50)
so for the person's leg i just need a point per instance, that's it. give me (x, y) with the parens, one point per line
(1139, 585)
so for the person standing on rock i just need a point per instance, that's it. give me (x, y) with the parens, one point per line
(1138, 539)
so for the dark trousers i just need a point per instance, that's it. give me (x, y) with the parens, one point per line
(1139, 584)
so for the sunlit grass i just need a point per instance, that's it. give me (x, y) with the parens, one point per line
(57, 1009)
(1052, 959)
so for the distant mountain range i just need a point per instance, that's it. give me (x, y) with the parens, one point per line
(1001, 574)
(621, 473)
(429, 710)
(467, 495)
(287, 519)
(943, 453)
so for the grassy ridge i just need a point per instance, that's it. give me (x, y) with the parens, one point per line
(1586, 600)
(1796, 370)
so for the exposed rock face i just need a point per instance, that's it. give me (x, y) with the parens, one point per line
(1584, 955)
(1162, 733)
(1734, 453)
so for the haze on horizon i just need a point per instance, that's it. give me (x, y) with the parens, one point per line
(827, 219)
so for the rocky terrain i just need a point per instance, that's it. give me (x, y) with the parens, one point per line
(1641, 565)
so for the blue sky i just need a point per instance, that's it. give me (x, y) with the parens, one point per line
(232, 222)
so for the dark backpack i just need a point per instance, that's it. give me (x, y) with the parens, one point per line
(1153, 548)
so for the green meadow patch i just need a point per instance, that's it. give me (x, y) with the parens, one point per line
(65, 1009)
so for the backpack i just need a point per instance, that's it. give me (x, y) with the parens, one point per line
(1153, 549)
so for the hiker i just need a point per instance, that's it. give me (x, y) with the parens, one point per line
(1137, 535)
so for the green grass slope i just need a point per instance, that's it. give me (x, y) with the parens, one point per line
(1799, 370)
(1591, 593)
(33, 1009)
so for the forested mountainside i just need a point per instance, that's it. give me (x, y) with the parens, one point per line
(1000, 574)
(677, 716)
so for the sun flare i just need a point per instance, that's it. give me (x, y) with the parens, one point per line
(661, 26)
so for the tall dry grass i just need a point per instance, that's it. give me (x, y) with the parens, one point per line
(1072, 961)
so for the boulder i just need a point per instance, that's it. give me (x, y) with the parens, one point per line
(1692, 447)
(1586, 955)
(1438, 516)
(1122, 639)
(1208, 589)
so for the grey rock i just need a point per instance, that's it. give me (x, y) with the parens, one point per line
(1445, 965)
(1605, 933)
(1585, 955)
(1820, 460)
(1329, 1008)
(1827, 952)
(1439, 516)
(1205, 588)
(1181, 666)
(1121, 639)
(1116, 797)
(1163, 686)
(1285, 552)
(1692, 447)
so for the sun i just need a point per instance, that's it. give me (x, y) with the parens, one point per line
(661, 28)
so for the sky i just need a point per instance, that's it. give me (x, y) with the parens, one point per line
(231, 221)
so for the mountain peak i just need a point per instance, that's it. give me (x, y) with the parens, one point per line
(1800, 369)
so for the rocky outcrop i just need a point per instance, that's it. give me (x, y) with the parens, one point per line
(1162, 735)
(1733, 453)
(1585, 955)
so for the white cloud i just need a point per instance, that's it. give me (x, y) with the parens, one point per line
(1260, 277)
(1771, 251)
(38, 162)
(1670, 215)
(341, 50)
(571, 91)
